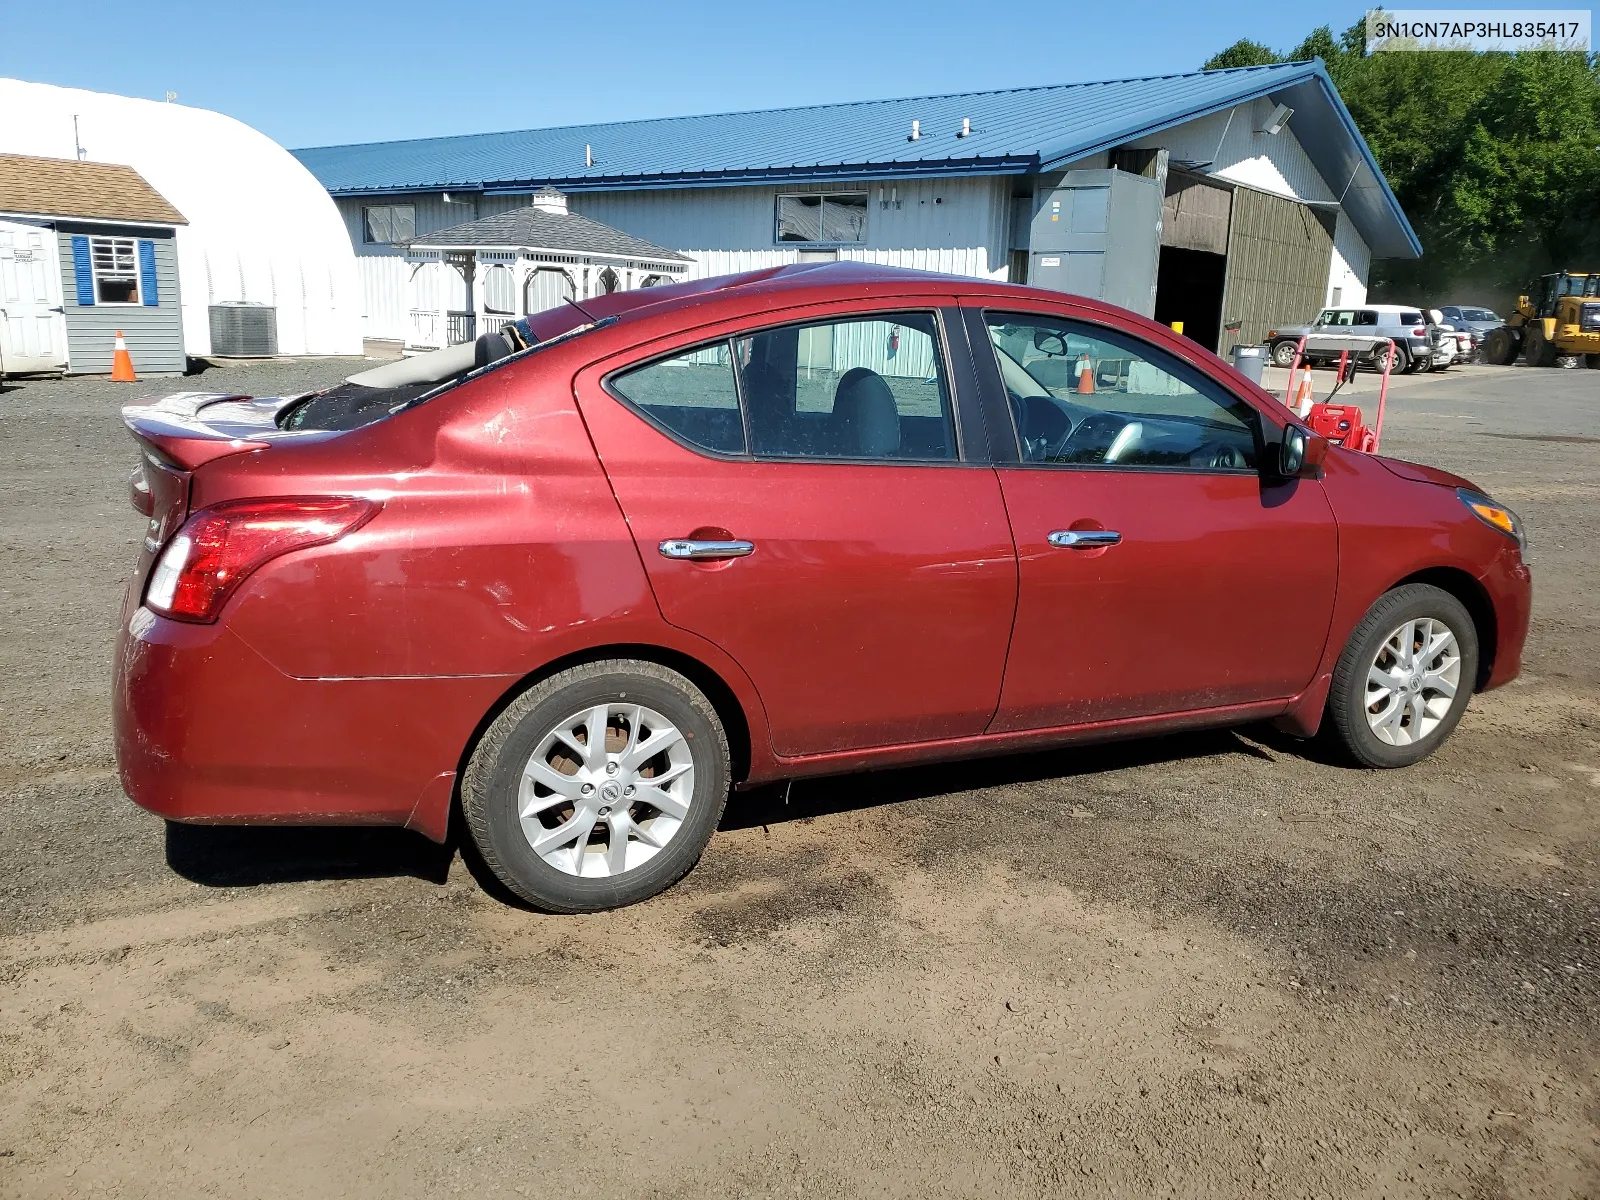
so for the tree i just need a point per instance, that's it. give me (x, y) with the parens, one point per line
(1243, 53)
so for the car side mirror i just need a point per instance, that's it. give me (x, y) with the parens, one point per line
(1301, 453)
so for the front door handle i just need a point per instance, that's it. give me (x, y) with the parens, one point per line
(1084, 539)
(702, 549)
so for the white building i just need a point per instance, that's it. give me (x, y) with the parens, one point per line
(1229, 200)
(262, 231)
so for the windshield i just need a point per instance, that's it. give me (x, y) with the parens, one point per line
(1478, 314)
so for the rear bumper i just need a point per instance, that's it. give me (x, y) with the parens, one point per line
(208, 731)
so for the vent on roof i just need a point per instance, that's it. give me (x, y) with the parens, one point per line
(966, 127)
(550, 200)
(916, 132)
(240, 329)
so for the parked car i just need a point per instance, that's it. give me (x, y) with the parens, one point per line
(1406, 326)
(1467, 340)
(1445, 343)
(577, 580)
(1474, 320)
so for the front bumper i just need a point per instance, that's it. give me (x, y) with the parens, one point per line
(1509, 584)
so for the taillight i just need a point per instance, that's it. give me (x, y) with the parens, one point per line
(218, 547)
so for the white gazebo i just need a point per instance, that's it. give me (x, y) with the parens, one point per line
(523, 262)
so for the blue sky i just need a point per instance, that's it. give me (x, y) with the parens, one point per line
(309, 73)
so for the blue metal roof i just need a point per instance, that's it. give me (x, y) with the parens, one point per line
(1017, 131)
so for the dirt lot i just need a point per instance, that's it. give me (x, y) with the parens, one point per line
(1204, 966)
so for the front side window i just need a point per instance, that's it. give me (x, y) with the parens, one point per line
(1084, 395)
(116, 270)
(831, 217)
(856, 388)
(383, 224)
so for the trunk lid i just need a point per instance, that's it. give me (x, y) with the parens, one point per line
(180, 433)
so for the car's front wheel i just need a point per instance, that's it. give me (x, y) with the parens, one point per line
(1283, 353)
(1405, 677)
(598, 787)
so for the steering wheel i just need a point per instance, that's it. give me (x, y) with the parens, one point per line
(1218, 456)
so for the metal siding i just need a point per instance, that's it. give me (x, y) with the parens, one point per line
(1350, 266)
(957, 223)
(1236, 152)
(1278, 259)
(154, 334)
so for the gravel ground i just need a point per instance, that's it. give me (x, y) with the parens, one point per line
(1206, 965)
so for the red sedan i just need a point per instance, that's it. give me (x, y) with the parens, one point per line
(587, 575)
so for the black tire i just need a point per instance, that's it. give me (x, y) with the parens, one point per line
(1500, 347)
(1407, 364)
(1283, 353)
(490, 787)
(1592, 361)
(1347, 698)
(1539, 352)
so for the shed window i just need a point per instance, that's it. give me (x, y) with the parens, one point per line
(823, 217)
(385, 223)
(116, 270)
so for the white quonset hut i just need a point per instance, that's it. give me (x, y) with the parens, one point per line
(475, 277)
(265, 253)
(1229, 200)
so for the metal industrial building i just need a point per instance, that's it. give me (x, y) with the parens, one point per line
(1229, 200)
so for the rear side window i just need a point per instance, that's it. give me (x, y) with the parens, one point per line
(871, 387)
(692, 396)
(858, 388)
(1411, 318)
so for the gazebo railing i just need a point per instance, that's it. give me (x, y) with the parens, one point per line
(461, 327)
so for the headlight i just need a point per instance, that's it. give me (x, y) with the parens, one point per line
(1497, 515)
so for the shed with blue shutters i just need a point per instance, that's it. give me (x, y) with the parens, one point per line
(87, 250)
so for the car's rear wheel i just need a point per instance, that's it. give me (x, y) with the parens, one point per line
(1405, 677)
(598, 787)
(1283, 354)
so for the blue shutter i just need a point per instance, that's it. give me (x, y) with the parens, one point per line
(147, 273)
(80, 266)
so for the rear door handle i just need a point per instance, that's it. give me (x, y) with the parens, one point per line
(1084, 539)
(703, 549)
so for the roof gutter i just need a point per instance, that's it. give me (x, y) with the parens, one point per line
(1010, 165)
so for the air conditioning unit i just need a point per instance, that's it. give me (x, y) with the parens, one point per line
(240, 329)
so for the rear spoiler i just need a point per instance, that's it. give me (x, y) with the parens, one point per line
(189, 429)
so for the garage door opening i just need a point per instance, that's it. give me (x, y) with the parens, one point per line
(1189, 289)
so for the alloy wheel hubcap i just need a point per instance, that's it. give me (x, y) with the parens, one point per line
(1412, 681)
(606, 790)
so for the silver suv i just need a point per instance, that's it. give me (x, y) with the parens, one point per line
(1407, 326)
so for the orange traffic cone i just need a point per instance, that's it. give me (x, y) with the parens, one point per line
(121, 363)
(1085, 376)
(1302, 396)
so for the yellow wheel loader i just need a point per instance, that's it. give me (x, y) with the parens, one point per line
(1561, 317)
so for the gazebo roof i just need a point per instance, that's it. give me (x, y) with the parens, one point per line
(534, 228)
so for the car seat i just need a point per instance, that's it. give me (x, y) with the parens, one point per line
(866, 421)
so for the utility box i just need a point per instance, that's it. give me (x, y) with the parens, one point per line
(1099, 235)
(240, 329)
